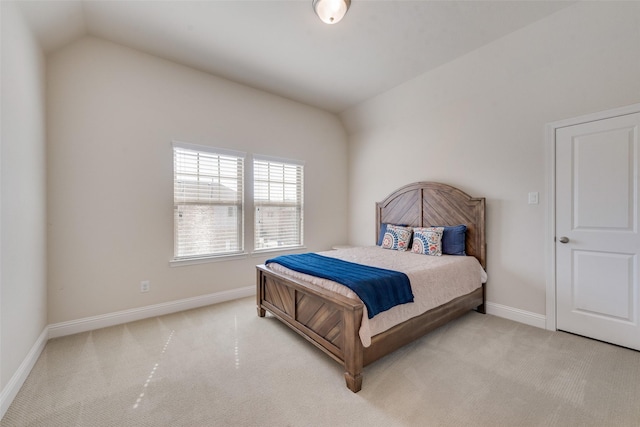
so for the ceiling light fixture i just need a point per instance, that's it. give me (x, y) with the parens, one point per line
(331, 11)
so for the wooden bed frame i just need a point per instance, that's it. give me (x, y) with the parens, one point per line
(331, 321)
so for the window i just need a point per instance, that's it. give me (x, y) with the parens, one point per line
(207, 201)
(278, 194)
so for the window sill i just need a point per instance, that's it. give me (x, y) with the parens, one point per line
(262, 252)
(206, 260)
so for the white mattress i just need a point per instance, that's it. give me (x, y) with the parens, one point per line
(435, 280)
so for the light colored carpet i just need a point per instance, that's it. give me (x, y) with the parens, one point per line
(224, 366)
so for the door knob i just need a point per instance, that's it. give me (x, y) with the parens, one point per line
(564, 239)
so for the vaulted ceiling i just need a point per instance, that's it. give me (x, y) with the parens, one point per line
(283, 48)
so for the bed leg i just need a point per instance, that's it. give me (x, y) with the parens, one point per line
(353, 350)
(354, 382)
(482, 308)
(260, 293)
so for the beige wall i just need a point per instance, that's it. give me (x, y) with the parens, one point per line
(112, 114)
(23, 292)
(479, 121)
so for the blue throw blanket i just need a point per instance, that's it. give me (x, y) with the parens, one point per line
(379, 289)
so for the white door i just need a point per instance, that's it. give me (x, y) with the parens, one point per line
(597, 235)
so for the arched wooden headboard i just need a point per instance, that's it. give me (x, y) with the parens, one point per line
(424, 204)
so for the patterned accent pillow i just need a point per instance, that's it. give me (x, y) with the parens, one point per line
(396, 238)
(427, 240)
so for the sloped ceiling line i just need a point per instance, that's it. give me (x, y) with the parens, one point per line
(283, 48)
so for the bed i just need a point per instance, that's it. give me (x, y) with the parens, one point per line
(332, 321)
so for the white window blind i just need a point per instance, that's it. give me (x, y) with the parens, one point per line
(208, 201)
(278, 201)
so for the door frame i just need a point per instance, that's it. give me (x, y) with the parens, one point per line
(550, 247)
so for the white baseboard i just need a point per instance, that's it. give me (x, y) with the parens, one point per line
(517, 315)
(96, 322)
(12, 388)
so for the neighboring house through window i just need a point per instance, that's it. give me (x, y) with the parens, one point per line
(208, 201)
(278, 203)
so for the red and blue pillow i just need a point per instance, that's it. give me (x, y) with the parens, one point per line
(427, 241)
(396, 237)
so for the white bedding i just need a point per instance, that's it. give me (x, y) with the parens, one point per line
(435, 280)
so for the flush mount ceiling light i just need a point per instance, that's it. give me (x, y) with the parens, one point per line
(331, 11)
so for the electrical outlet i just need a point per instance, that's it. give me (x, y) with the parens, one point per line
(144, 286)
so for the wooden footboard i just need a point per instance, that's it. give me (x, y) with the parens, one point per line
(328, 320)
(331, 321)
